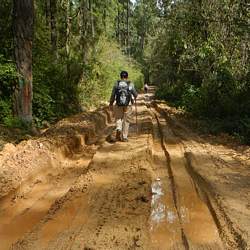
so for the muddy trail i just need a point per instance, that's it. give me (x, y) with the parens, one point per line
(164, 189)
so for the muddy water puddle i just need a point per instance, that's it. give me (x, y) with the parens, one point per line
(164, 223)
(180, 226)
(160, 211)
(180, 219)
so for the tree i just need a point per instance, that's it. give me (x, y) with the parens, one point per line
(143, 25)
(53, 12)
(124, 9)
(23, 20)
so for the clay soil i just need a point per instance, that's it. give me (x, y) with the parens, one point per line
(167, 188)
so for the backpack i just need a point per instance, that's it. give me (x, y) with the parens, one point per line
(123, 94)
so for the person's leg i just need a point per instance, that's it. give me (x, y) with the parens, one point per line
(118, 113)
(125, 130)
(119, 130)
(125, 122)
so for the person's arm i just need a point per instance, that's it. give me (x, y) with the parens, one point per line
(133, 91)
(112, 97)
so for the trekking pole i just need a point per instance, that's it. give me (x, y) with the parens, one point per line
(136, 117)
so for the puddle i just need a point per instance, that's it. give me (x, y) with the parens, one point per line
(191, 226)
(160, 211)
(164, 224)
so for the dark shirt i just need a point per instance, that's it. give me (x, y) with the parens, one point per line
(131, 89)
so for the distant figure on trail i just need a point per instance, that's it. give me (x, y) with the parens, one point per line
(124, 95)
(145, 88)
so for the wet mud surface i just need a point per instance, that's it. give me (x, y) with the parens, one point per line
(164, 189)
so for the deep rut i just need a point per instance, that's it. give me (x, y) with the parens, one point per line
(24, 209)
(197, 153)
(190, 208)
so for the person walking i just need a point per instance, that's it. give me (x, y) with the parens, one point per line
(123, 95)
(145, 88)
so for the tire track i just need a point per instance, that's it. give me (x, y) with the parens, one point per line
(237, 242)
(166, 230)
(172, 181)
(176, 168)
(231, 237)
(59, 200)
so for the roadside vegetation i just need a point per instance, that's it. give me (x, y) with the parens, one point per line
(76, 58)
(200, 62)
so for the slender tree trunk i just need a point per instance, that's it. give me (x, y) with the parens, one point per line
(92, 18)
(127, 28)
(105, 16)
(118, 25)
(23, 23)
(68, 33)
(124, 35)
(53, 10)
(142, 41)
(69, 24)
(47, 12)
(83, 23)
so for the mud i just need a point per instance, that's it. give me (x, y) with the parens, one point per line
(164, 189)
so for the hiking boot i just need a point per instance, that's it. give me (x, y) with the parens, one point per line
(111, 139)
(118, 135)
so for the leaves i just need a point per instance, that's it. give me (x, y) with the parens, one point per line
(200, 60)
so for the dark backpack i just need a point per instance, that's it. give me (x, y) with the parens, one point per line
(123, 94)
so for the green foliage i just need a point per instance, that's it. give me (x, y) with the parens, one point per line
(199, 61)
(6, 116)
(5, 109)
(104, 70)
(8, 78)
(143, 27)
(169, 92)
(6, 40)
(43, 106)
(54, 93)
(244, 129)
(216, 98)
(15, 122)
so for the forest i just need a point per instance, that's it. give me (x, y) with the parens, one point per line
(59, 57)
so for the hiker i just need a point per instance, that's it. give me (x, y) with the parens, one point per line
(145, 88)
(124, 95)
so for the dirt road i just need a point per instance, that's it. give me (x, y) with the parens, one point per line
(164, 189)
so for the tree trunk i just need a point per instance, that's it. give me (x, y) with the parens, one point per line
(83, 23)
(124, 35)
(127, 28)
(68, 34)
(47, 12)
(142, 41)
(92, 18)
(23, 23)
(105, 17)
(118, 25)
(69, 24)
(53, 10)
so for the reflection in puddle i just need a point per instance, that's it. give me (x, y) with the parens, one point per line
(164, 222)
(191, 220)
(158, 214)
(160, 211)
(184, 214)
(171, 217)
